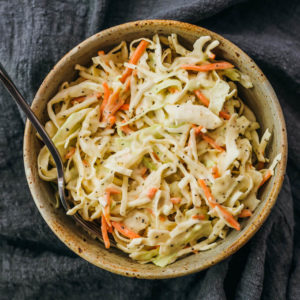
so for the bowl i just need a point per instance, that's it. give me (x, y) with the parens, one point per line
(261, 99)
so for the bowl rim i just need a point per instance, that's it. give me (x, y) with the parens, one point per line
(255, 224)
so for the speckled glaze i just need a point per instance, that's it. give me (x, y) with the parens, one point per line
(261, 99)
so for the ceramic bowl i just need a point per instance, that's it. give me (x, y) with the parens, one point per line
(261, 99)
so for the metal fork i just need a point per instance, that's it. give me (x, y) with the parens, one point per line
(16, 95)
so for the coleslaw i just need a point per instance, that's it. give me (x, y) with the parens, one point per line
(158, 147)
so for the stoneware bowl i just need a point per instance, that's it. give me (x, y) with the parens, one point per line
(261, 99)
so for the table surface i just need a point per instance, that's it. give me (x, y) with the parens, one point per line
(34, 263)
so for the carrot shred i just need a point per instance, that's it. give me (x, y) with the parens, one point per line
(134, 59)
(85, 163)
(209, 67)
(162, 218)
(155, 156)
(101, 52)
(109, 229)
(151, 193)
(126, 129)
(175, 200)
(223, 114)
(104, 233)
(212, 142)
(82, 98)
(108, 192)
(202, 98)
(212, 202)
(215, 171)
(113, 105)
(266, 177)
(124, 230)
(197, 129)
(207, 138)
(125, 107)
(78, 100)
(70, 153)
(172, 90)
(212, 56)
(111, 121)
(245, 213)
(198, 217)
(109, 109)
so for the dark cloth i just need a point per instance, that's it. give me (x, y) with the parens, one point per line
(34, 35)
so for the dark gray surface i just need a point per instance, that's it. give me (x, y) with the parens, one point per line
(34, 264)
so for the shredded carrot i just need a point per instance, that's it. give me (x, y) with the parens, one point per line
(198, 217)
(197, 129)
(101, 52)
(245, 213)
(175, 200)
(172, 90)
(162, 218)
(209, 67)
(113, 105)
(211, 55)
(208, 195)
(125, 107)
(110, 108)
(266, 177)
(108, 192)
(151, 193)
(78, 100)
(109, 228)
(124, 230)
(86, 163)
(112, 190)
(212, 142)
(70, 153)
(212, 202)
(111, 121)
(223, 114)
(207, 138)
(215, 171)
(104, 233)
(202, 98)
(155, 156)
(140, 49)
(81, 99)
(126, 129)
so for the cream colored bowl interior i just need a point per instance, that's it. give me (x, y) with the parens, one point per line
(261, 99)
